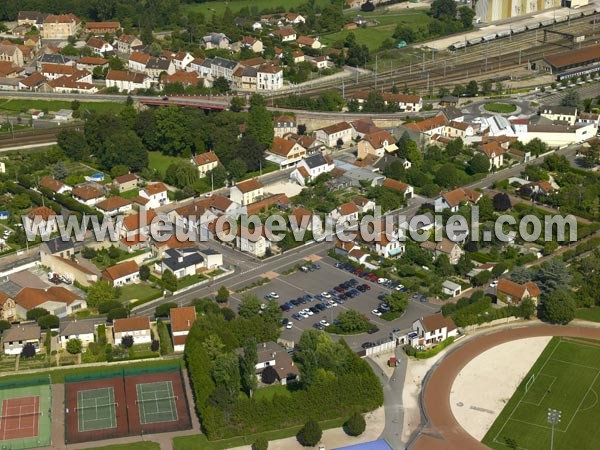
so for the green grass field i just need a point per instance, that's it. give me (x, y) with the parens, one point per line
(160, 162)
(374, 36)
(207, 8)
(592, 314)
(140, 291)
(22, 105)
(501, 108)
(567, 379)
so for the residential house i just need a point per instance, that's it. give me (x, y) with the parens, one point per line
(307, 41)
(56, 299)
(194, 216)
(454, 199)
(364, 204)
(205, 162)
(450, 288)
(362, 127)
(403, 102)
(269, 77)
(331, 134)
(298, 56)
(186, 79)
(31, 18)
(376, 144)
(99, 46)
(126, 81)
(220, 67)
(387, 245)
(11, 53)
(310, 143)
(121, 274)
(253, 241)
(215, 40)
(8, 307)
(284, 124)
(287, 153)
(182, 320)
(137, 327)
(274, 356)
(456, 129)
(43, 219)
(182, 59)
(84, 330)
(182, 262)
(444, 247)
(398, 186)
(126, 43)
(494, 153)
(510, 293)
(430, 127)
(157, 67)
(310, 168)
(139, 226)
(247, 192)
(52, 71)
(138, 61)
(58, 256)
(294, 18)
(60, 26)
(346, 212)
(537, 188)
(302, 219)
(88, 195)
(320, 62)
(251, 43)
(286, 34)
(434, 329)
(101, 28)
(34, 82)
(156, 194)
(212, 258)
(15, 338)
(565, 114)
(126, 182)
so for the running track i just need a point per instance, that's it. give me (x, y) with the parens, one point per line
(442, 431)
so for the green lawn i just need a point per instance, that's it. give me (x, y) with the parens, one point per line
(189, 280)
(566, 379)
(160, 162)
(591, 314)
(22, 105)
(375, 35)
(140, 291)
(501, 108)
(199, 441)
(133, 193)
(142, 445)
(207, 8)
(269, 391)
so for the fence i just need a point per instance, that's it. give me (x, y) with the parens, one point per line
(120, 372)
(492, 323)
(381, 348)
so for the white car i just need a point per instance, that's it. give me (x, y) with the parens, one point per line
(376, 312)
(381, 280)
(308, 311)
(324, 323)
(325, 294)
(332, 303)
(494, 284)
(303, 314)
(289, 325)
(274, 295)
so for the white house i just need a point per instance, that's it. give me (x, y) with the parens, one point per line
(345, 212)
(453, 199)
(99, 46)
(450, 288)
(88, 195)
(269, 77)
(310, 168)
(114, 205)
(127, 81)
(205, 162)
(331, 134)
(156, 194)
(56, 299)
(287, 152)
(122, 274)
(182, 59)
(247, 192)
(252, 241)
(434, 328)
(557, 113)
(137, 327)
(83, 330)
(494, 153)
(406, 189)
(182, 320)
(182, 262)
(15, 338)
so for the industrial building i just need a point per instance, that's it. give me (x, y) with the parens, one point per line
(491, 10)
(577, 62)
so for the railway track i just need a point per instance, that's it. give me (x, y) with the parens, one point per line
(37, 137)
(484, 60)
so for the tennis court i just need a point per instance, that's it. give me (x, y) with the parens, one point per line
(19, 417)
(156, 402)
(96, 409)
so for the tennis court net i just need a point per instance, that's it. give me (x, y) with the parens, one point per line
(157, 399)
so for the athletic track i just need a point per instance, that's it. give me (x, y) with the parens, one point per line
(442, 431)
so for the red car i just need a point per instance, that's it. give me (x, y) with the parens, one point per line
(366, 287)
(338, 289)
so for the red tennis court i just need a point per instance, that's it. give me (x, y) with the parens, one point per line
(20, 418)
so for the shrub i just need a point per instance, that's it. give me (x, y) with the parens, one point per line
(28, 351)
(155, 345)
(36, 313)
(435, 350)
(355, 426)
(4, 325)
(74, 346)
(165, 309)
(310, 434)
(117, 313)
(105, 307)
(260, 444)
(48, 321)
(127, 341)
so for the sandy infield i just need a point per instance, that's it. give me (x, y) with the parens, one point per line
(486, 383)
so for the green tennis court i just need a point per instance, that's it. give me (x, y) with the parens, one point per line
(96, 409)
(156, 402)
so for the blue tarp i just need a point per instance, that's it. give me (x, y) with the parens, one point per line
(373, 445)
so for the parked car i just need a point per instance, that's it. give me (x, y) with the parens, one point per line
(318, 326)
(368, 345)
(315, 310)
(315, 266)
(494, 284)
(272, 295)
(289, 325)
(376, 312)
(373, 330)
(338, 289)
(285, 321)
(321, 306)
(325, 294)
(324, 323)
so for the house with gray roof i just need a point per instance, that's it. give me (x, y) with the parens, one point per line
(181, 261)
(84, 330)
(15, 338)
(215, 40)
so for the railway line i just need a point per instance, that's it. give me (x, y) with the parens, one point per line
(47, 135)
(487, 59)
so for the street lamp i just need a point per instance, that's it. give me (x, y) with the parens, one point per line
(553, 419)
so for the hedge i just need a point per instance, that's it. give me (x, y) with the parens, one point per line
(435, 350)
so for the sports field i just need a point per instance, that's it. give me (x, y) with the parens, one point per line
(96, 409)
(156, 402)
(566, 377)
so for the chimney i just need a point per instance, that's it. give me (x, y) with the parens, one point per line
(188, 323)
(264, 345)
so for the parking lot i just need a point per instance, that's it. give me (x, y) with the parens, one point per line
(299, 284)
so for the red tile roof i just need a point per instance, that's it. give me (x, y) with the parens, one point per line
(206, 158)
(182, 319)
(41, 211)
(120, 270)
(249, 185)
(87, 192)
(112, 203)
(131, 324)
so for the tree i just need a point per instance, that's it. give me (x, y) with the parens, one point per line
(486, 87)
(226, 373)
(536, 146)
(352, 321)
(310, 434)
(339, 143)
(260, 444)
(479, 164)
(105, 307)
(181, 174)
(222, 295)
(260, 121)
(447, 176)
(119, 170)
(99, 292)
(169, 280)
(237, 168)
(59, 171)
(481, 278)
(501, 202)
(74, 346)
(28, 351)
(466, 15)
(237, 104)
(269, 375)
(155, 345)
(559, 307)
(127, 341)
(472, 88)
(73, 143)
(397, 301)
(552, 275)
(527, 308)
(221, 85)
(356, 425)
(571, 98)
(248, 363)
(251, 151)
(48, 321)
(250, 307)
(4, 325)
(36, 313)
(164, 310)
(144, 273)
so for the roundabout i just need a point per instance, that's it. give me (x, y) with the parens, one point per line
(441, 428)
